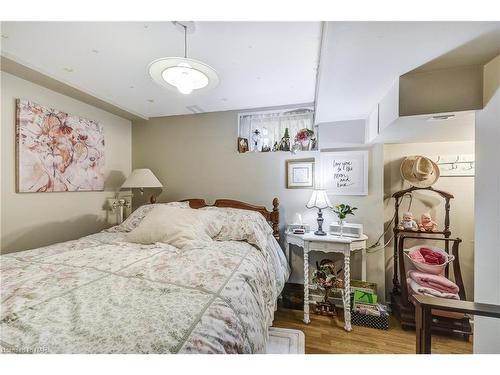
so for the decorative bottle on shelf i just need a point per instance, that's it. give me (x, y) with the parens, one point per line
(255, 140)
(284, 144)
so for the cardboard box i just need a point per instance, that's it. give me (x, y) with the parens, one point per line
(364, 286)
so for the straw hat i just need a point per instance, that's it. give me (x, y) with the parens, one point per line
(419, 171)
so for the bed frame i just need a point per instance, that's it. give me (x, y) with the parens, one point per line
(273, 217)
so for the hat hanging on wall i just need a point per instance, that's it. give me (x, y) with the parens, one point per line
(419, 171)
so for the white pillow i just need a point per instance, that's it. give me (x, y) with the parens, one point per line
(242, 225)
(140, 213)
(213, 221)
(176, 226)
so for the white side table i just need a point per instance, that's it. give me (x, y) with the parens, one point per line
(330, 244)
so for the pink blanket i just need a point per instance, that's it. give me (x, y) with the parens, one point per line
(416, 288)
(437, 282)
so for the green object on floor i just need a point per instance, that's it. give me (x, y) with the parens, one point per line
(364, 297)
(364, 286)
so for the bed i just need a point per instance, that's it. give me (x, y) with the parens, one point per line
(104, 294)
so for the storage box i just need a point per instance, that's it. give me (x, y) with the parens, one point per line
(349, 230)
(364, 297)
(293, 296)
(363, 286)
(371, 321)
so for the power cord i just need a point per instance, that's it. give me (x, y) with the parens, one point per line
(376, 246)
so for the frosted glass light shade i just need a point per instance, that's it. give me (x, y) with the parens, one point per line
(183, 74)
(141, 178)
(319, 199)
(185, 78)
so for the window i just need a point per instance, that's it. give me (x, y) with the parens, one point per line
(268, 131)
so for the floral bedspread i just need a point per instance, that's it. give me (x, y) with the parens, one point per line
(102, 294)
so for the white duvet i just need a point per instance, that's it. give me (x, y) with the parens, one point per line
(102, 294)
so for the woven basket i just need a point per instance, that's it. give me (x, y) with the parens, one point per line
(435, 269)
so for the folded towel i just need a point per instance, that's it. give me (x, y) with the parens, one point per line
(431, 256)
(419, 289)
(437, 282)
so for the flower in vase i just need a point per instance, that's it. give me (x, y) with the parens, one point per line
(304, 136)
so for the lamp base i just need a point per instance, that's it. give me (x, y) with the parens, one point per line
(320, 231)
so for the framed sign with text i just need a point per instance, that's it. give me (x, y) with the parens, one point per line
(345, 173)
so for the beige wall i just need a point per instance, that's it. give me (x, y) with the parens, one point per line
(195, 156)
(462, 206)
(36, 219)
(444, 90)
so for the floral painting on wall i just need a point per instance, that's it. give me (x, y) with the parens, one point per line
(57, 151)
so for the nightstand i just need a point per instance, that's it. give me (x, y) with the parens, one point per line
(330, 244)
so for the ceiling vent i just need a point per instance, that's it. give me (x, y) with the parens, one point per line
(194, 109)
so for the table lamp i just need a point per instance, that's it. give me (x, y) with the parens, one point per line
(319, 200)
(140, 179)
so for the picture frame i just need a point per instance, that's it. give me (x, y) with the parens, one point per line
(345, 173)
(242, 145)
(57, 151)
(300, 174)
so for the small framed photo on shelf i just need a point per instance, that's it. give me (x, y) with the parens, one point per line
(242, 145)
(300, 174)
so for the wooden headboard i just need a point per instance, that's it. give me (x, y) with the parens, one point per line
(272, 216)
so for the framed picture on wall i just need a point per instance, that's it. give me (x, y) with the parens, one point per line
(345, 173)
(242, 145)
(57, 151)
(300, 174)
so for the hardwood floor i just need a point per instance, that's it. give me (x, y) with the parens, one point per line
(327, 335)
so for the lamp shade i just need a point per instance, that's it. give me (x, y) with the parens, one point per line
(319, 199)
(141, 178)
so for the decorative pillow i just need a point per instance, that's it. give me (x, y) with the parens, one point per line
(242, 225)
(135, 218)
(233, 217)
(212, 220)
(176, 226)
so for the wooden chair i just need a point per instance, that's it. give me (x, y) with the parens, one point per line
(443, 321)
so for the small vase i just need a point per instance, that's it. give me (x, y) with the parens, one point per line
(341, 223)
(305, 145)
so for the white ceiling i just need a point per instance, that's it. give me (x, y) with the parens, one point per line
(362, 60)
(478, 51)
(260, 64)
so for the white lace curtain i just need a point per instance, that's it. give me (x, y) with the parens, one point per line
(271, 127)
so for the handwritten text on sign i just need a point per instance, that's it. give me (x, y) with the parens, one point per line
(342, 170)
(345, 173)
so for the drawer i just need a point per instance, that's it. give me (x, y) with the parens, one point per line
(326, 247)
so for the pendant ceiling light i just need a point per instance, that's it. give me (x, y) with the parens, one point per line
(181, 73)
